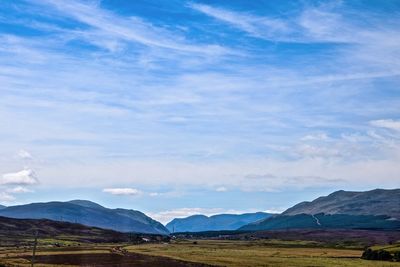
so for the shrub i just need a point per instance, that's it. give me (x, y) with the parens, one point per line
(379, 255)
(396, 256)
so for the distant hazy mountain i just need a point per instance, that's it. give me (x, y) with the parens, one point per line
(2, 207)
(379, 209)
(198, 223)
(374, 202)
(322, 221)
(87, 213)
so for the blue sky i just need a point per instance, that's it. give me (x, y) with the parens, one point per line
(180, 107)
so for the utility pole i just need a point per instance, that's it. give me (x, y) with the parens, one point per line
(34, 248)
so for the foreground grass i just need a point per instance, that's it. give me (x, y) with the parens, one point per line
(250, 253)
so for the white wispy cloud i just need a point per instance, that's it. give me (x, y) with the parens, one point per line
(387, 123)
(307, 150)
(24, 177)
(368, 45)
(5, 197)
(23, 154)
(221, 189)
(18, 190)
(276, 183)
(111, 28)
(123, 191)
(311, 23)
(314, 137)
(263, 27)
(167, 194)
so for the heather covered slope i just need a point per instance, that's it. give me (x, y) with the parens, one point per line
(374, 202)
(87, 213)
(198, 223)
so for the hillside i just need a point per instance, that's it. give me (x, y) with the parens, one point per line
(375, 209)
(87, 213)
(21, 231)
(374, 202)
(325, 221)
(198, 223)
(2, 207)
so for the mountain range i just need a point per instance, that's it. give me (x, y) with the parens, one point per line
(87, 213)
(374, 202)
(199, 223)
(375, 209)
(325, 221)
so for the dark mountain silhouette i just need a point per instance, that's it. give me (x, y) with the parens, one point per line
(87, 213)
(198, 223)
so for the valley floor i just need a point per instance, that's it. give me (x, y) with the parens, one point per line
(184, 253)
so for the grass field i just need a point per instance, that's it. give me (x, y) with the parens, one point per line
(191, 253)
(258, 253)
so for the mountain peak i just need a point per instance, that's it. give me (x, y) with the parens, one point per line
(86, 203)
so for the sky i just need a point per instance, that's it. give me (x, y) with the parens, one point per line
(180, 107)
